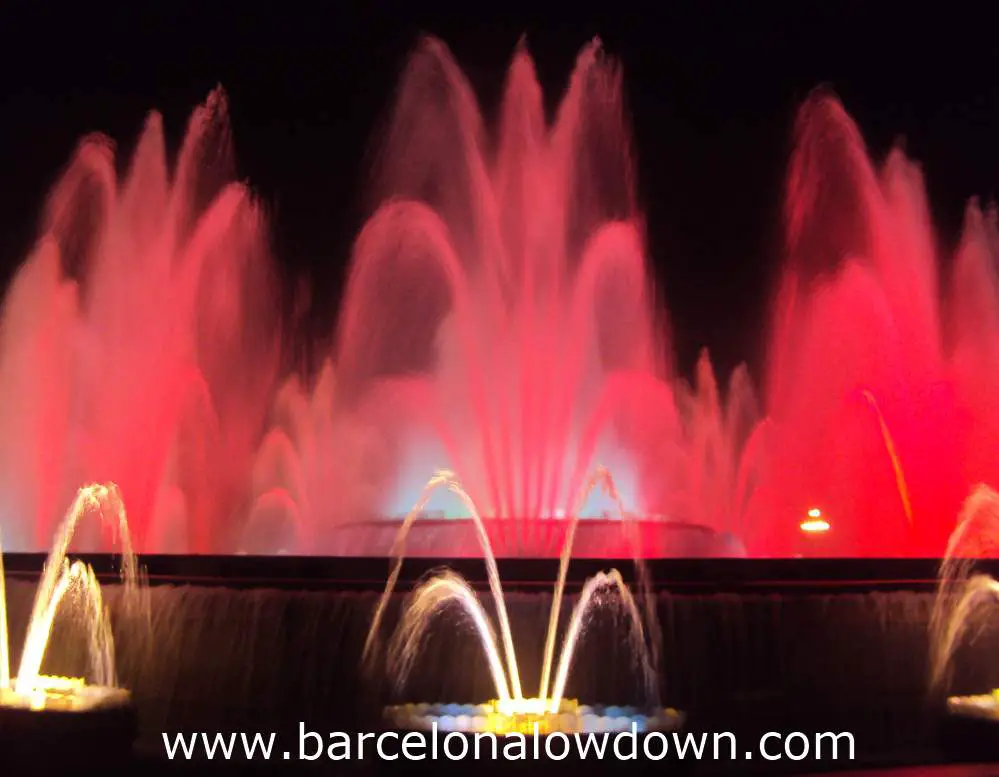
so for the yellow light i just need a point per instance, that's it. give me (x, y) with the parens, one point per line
(513, 707)
(815, 526)
(815, 523)
(521, 715)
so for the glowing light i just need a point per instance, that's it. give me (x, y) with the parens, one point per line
(815, 523)
(525, 716)
(521, 715)
(64, 694)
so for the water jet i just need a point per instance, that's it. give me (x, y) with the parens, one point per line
(499, 320)
(963, 609)
(511, 711)
(138, 342)
(86, 716)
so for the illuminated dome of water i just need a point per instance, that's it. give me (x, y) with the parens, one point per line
(499, 321)
(137, 343)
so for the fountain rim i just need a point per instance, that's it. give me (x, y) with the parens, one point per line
(430, 521)
(419, 717)
(679, 575)
(97, 698)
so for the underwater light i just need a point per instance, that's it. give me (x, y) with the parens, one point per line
(815, 523)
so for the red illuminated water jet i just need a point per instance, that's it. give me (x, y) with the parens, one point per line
(880, 370)
(499, 321)
(499, 305)
(136, 343)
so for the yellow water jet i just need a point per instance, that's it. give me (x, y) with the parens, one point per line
(511, 710)
(70, 584)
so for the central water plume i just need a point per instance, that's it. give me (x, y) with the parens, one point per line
(440, 590)
(509, 270)
(499, 321)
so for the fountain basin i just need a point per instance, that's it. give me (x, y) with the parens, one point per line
(597, 538)
(970, 729)
(571, 718)
(64, 694)
(481, 736)
(983, 706)
(65, 723)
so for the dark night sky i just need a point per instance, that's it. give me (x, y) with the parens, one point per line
(711, 87)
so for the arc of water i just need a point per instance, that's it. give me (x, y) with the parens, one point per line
(101, 641)
(748, 459)
(430, 597)
(38, 633)
(76, 578)
(495, 587)
(978, 589)
(645, 587)
(578, 618)
(439, 590)
(446, 478)
(896, 462)
(58, 577)
(600, 476)
(978, 520)
(397, 550)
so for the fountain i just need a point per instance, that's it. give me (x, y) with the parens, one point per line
(879, 417)
(963, 604)
(963, 614)
(34, 706)
(482, 330)
(511, 711)
(137, 343)
(499, 321)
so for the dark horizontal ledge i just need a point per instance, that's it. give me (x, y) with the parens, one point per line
(369, 574)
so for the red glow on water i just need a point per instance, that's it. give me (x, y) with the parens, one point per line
(878, 372)
(498, 320)
(130, 354)
(873, 403)
(505, 274)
